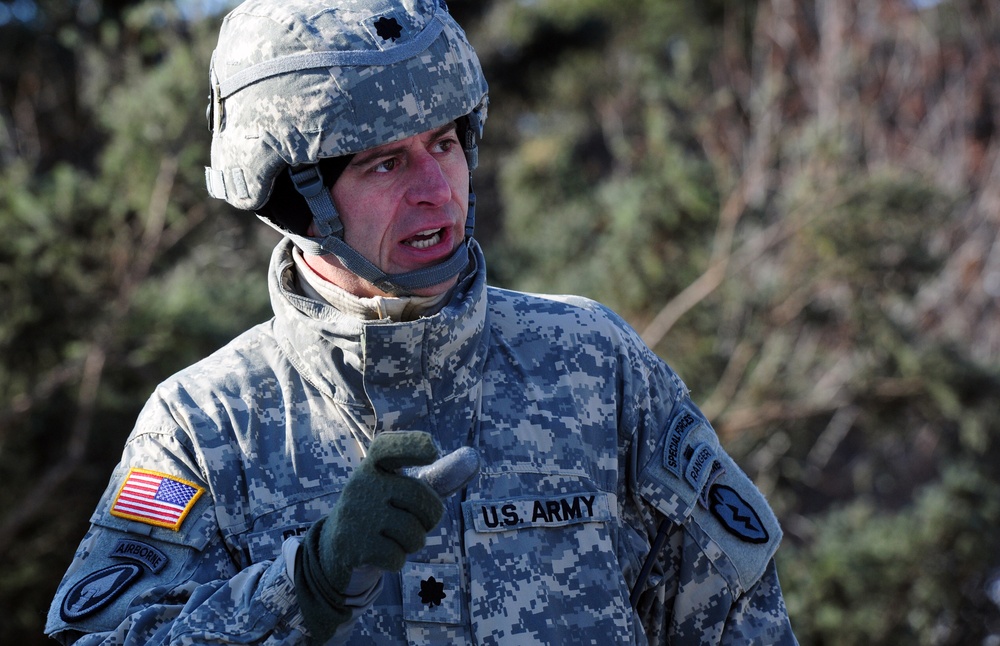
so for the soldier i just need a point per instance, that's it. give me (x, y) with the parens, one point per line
(267, 493)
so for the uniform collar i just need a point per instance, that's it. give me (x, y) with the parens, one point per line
(395, 368)
(396, 308)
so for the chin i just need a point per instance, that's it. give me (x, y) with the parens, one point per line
(436, 290)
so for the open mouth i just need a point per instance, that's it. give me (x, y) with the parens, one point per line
(424, 239)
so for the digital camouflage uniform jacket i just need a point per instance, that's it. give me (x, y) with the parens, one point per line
(587, 440)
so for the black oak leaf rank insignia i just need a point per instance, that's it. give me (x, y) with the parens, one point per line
(432, 592)
(388, 28)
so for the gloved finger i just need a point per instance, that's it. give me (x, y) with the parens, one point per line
(393, 450)
(384, 552)
(407, 534)
(422, 513)
(388, 557)
(388, 543)
(420, 502)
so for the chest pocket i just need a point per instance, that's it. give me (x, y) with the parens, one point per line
(269, 531)
(543, 567)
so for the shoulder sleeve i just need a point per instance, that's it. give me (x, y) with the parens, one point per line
(690, 479)
(680, 469)
(760, 616)
(154, 567)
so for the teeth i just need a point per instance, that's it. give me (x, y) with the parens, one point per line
(420, 242)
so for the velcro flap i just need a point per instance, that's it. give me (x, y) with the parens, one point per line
(215, 182)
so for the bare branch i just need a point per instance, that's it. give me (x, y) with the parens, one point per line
(105, 340)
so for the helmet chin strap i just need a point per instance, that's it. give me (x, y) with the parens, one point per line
(309, 183)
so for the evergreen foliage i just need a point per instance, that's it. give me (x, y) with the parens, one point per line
(795, 202)
(115, 268)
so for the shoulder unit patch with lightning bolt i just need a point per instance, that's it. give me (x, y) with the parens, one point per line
(736, 515)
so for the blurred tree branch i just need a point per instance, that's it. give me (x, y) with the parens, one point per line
(106, 339)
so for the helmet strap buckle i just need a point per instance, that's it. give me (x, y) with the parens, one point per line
(308, 182)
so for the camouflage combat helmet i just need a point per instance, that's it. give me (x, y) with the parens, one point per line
(297, 82)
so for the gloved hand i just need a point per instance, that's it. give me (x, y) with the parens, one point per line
(382, 515)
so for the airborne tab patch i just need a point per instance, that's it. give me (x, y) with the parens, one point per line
(155, 498)
(140, 552)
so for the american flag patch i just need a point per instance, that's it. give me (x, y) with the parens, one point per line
(155, 498)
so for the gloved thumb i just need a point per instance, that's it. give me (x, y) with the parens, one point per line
(394, 450)
(449, 473)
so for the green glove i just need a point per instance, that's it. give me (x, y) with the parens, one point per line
(381, 516)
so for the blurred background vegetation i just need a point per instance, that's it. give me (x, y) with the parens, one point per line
(796, 202)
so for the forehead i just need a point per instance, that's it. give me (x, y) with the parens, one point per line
(402, 144)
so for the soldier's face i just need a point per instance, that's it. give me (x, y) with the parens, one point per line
(403, 206)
